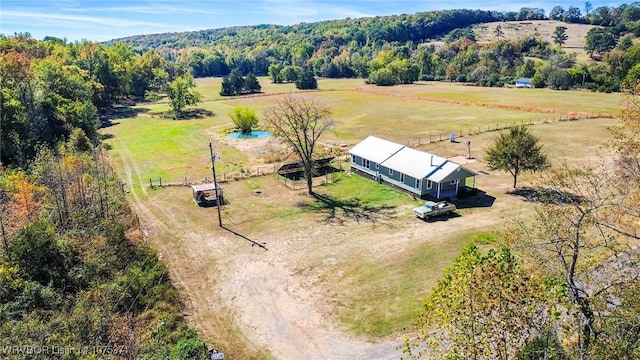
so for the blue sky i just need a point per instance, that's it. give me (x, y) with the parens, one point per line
(101, 20)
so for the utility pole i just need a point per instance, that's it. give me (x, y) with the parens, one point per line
(215, 183)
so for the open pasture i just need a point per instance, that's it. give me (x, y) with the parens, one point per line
(341, 273)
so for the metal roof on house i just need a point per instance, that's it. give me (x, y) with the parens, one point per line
(450, 171)
(415, 163)
(524, 80)
(375, 149)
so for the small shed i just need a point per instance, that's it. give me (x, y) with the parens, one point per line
(523, 83)
(205, 194)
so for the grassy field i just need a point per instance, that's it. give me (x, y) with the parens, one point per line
(406, 114)
(368, 261)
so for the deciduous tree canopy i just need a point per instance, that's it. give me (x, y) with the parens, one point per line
(516, 151)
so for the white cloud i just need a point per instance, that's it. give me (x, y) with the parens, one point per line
(20, 17)
(157, 9)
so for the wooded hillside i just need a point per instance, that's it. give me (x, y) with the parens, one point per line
(484, 48)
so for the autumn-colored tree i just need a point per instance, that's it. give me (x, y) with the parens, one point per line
(20, 202)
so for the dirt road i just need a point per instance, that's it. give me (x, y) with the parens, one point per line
(230, 286)
(227, 283)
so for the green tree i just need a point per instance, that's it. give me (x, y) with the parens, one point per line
(557, 13)
(559, 79)
(599, 41)
(40, 256)
(182, 93)
(572, 15)
(66, 100)
(251, 84)
(587, 9)
(146, 70)
(560, 35)
(78, 141)
(485, 307)
(527, 70)
(516, 151)
(306, 80)
(189, 347)
(382, 77)
(244, 118)
(290, 73)
(232, 84)
(274, 73)
(299, 123)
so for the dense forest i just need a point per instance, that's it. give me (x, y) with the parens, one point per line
(400, 49)
(74, 279)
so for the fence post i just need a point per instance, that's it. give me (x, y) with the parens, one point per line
(150, 183)
(160, 180)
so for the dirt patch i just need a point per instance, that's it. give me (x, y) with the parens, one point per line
(275, 301)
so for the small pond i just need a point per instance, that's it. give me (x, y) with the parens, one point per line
(252, 135)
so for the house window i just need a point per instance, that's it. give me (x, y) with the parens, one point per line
(402, 178)
(429, 184)
(377, 166)
(390, 172)
(353, 159)
(417, 183)
(453, 182)
(366, 164)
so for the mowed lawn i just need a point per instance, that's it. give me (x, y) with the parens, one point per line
(384, 295)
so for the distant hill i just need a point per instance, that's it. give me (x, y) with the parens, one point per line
(542, 29)
(414, 28)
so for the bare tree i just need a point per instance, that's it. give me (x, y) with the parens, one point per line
(299, 123)
(582, 235)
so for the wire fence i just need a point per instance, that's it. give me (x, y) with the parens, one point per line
(271, 169)
(481, 129)
(256, 171)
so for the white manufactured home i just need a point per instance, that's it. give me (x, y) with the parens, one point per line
(418, 172)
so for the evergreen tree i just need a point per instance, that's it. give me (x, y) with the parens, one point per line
(306, 80)
(251, 84)
(560, 35)
(497, 32)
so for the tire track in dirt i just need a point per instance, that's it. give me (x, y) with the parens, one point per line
(227, 283)
(167, 231)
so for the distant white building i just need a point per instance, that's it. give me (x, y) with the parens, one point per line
(523, 83)
(417, 172)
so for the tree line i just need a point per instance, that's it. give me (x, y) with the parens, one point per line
(73, 275)
(390, 50)
(49, 87)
